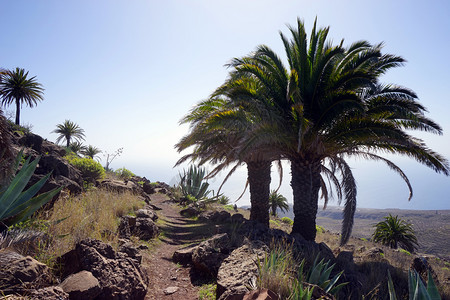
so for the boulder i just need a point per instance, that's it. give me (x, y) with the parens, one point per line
(237, 218)
(208, 256)
(131, 251)
(148, 188)
(119, 186)
(239, 269)
(184, 255)
(145, 229)
(215, 216)
(190, 211)
(18, 273)
(146, 212)
(81, 286)
(119, 276)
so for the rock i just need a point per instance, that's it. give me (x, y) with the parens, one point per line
(422, 267)
(374, 253)
(239, 269)
(32, 141)
(146, 213)
(190, 211)
(171, 290)
(49, 293)
(119, 186)
(18, 272)
(215, 216)
(208, 256)
(262, 294)
(184, 255)
(237, 218)
(148, 188)
(119, 276)
(145, 229)
(82, 285)
(131, 251)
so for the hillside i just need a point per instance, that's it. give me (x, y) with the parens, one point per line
(432, 226)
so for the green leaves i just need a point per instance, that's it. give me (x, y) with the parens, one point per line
(193, 183)
(395, 232)
(417, 289)
(16, 204)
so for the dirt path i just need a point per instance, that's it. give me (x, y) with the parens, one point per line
(177, 231)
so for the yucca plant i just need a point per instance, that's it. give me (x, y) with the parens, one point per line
(417, 289)
(193, 182)
(16, 204)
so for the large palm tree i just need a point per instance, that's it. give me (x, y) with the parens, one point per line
(394, 232)
(217, 127)
(331, 107)
(16, 87)
(67, 131)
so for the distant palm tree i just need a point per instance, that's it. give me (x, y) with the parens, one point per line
(76, 147)
(91, 151)
(395, 232)
(16, 87)
(67, 131)
(277, 201)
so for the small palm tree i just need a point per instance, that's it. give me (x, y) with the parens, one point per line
(91, 151)
(16, 87)
(67, 131)
(77, 147)
(395, 232)
(277, 201)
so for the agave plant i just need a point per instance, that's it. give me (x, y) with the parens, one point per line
(16, 204)
(320, 275)
(193, 183)
(417, 289)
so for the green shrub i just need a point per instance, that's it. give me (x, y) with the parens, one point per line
(287, 220)
(228, 207)
(207, 292)
(320, 229)
(124, 174)
(405, 251)
(90, 169)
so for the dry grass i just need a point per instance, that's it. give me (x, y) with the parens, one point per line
(94, 214)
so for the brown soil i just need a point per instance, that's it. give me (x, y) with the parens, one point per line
(176, 232)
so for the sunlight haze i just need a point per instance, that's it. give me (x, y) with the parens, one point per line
(128, 71)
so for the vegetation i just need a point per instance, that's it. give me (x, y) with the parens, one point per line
(395, 232)
(93, 214)
(327, 105)
(5, 153)
(16, 205)
(17, 88)
(417, 289)
(281, 273)
(91, 151)
(110, 157)
(124, 174)
(76, 147)
(67, 131)
(91, 170)
(193, 183)
(207, 292)
(287, 220)
(278, 201)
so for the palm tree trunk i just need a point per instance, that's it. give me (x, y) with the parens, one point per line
(259, 181)
(305, 185)
(17, 112)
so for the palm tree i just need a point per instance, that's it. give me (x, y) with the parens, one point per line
(91, 151)
(16, 87)
(278, 201)
(394, 232)
(218, 125)
(328, 106)
(76, 147)
(67, 131)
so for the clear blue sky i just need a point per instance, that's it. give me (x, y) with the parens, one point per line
(127, 71)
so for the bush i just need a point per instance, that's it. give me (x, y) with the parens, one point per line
(90, 169)
(124, 174)
(287, 220)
